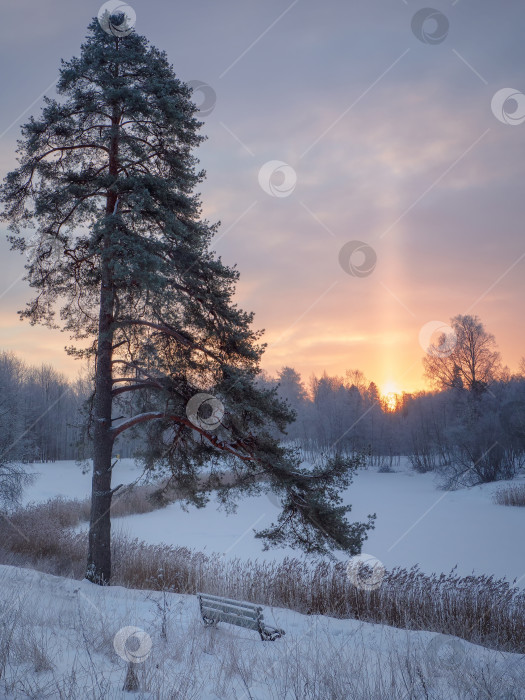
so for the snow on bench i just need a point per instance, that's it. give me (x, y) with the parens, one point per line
(215, 609)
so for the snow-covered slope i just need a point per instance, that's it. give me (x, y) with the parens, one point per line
(65, 638)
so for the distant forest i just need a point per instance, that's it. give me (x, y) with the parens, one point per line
(470, 434)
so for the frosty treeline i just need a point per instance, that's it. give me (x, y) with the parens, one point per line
(43, 414)
(39, 412)
(471, 428)
(470, 439)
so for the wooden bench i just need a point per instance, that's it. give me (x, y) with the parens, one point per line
(214, 609)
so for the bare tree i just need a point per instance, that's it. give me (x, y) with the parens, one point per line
(354, 377)
(465, 358)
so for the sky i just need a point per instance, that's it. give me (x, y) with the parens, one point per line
(365, 159)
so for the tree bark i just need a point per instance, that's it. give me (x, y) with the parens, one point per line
(99, 551)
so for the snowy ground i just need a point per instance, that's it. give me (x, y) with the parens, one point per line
(416, 522)
(70, 639)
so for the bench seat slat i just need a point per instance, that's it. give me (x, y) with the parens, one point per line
(232, 619)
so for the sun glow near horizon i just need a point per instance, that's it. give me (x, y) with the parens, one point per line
(390, 392)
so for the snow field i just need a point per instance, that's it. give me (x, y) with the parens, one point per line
(416, 522)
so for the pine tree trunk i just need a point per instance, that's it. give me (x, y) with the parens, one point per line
(99, 552)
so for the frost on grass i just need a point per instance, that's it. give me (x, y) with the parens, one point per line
(60, 643)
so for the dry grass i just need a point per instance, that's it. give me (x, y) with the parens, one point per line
(512, 495)
(480, 609)
(72, 512)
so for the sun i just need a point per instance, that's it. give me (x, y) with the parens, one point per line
(390, 395)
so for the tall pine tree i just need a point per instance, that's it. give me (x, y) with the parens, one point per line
(108, 178)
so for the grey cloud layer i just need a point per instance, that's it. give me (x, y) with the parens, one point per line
(400, 137)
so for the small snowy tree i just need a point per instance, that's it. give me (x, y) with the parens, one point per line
(108, 177)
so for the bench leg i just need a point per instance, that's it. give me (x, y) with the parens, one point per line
(209, 622)
(270, 635)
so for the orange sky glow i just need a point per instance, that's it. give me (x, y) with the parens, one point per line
(392, 143)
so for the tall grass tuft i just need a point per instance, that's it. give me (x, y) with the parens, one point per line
(512, 495)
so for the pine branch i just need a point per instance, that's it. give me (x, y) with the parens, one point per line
(212, 439)
(172, 332)
(137, 387)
